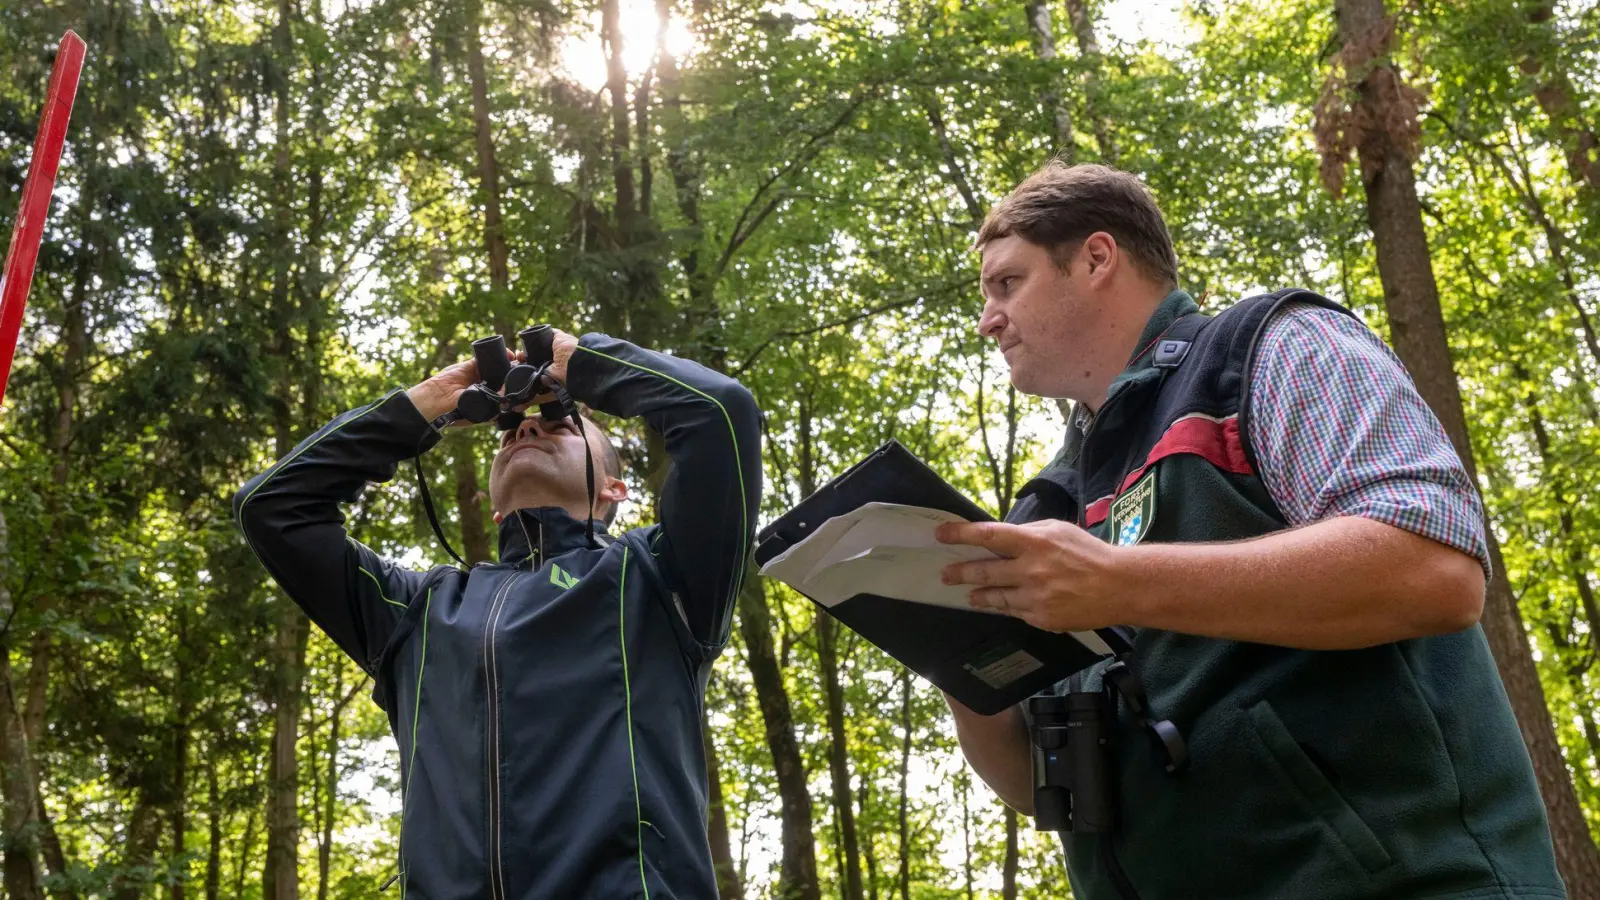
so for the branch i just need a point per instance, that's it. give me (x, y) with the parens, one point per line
(745, 226)
(848, 320)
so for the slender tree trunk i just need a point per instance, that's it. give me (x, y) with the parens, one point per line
(905, 772)
(330, 803)
(867, 850)
(280, 873)
(1052, 99)
(617, 86)
(1008, 869)
(214, 829)
(966, 835)
(1082, 19)
(797, 878)
(469, 501)
(247, 850)
(22, 717)
(717, 823)
(1559, 99)
(833, 693)
(1417, 325)
(22, 878)
(494, 239)
(839, 753)
(180, 756)
(144, 833)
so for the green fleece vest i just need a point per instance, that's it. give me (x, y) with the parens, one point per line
(1394, 771)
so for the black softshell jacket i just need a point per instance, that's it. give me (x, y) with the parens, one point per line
(547, 706)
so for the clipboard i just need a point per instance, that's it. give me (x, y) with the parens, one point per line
(988, 662)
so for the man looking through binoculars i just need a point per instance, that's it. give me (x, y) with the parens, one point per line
(547, 706)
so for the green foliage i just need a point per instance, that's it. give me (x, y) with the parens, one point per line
(247, 240)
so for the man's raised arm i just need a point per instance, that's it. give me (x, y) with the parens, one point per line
(713, 436)
(291, 518)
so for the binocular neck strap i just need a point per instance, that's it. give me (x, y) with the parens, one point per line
(432, 518)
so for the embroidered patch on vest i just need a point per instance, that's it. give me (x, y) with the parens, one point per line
(1132, 513)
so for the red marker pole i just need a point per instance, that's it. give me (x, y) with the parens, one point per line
(36, 190)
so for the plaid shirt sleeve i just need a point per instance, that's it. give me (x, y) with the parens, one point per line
(1339, 429)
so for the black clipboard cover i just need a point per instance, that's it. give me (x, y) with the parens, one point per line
(988, 662)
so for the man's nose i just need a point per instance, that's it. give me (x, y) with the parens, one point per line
(992, 322)
(527, 428)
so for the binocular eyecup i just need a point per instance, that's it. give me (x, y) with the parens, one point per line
(505, 384)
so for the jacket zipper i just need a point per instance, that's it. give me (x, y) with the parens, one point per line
(497, 889)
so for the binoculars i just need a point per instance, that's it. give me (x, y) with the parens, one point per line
(1072, 786)
(504, 386)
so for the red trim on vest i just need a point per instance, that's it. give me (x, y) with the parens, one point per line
(1216, 442)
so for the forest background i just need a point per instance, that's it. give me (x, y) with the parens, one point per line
(271, 211)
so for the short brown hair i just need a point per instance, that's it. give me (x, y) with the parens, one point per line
(1059, 206)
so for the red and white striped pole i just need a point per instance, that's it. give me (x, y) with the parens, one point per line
(29, 228)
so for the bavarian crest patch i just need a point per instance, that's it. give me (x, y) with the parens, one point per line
(1132, 513)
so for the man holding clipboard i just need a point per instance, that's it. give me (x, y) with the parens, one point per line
(1264, 498)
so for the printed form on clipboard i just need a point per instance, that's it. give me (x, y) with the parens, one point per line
(862, 548)
(886, 549)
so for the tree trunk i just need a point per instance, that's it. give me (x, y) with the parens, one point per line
(832, 692)
(1411, 297)
(22, 718)
(867, 849)
(617, 86)
(180, 758)
(280, 873)
(281, 878)
(247, 851)
(214, 827)
(1008, 869)
(330, 805)
(1558, 98)
(1081, 16)
(469, 502)
(717, 822)
(797, 878)
(905, 771)
(144, 832)
(1044, 44)
(966, 835)
(839, 753)
(22, 881)
(494, 239)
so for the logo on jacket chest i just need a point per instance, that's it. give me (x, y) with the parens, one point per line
(561, 578)
(1132, 513)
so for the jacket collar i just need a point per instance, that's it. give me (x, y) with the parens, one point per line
(542, 532)
(1140, 366)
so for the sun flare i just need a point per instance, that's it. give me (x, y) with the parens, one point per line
(583, 57)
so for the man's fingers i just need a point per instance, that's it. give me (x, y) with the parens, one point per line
(999, 598)
(1006, 540)
(984, 572)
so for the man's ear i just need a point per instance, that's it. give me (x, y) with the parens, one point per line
(614, 491)
(1101, 253)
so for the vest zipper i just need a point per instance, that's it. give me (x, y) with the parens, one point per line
(497, 890)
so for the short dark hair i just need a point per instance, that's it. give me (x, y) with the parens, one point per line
(1059, 206)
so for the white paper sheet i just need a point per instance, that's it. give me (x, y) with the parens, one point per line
(888, 549)
(881, 548)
